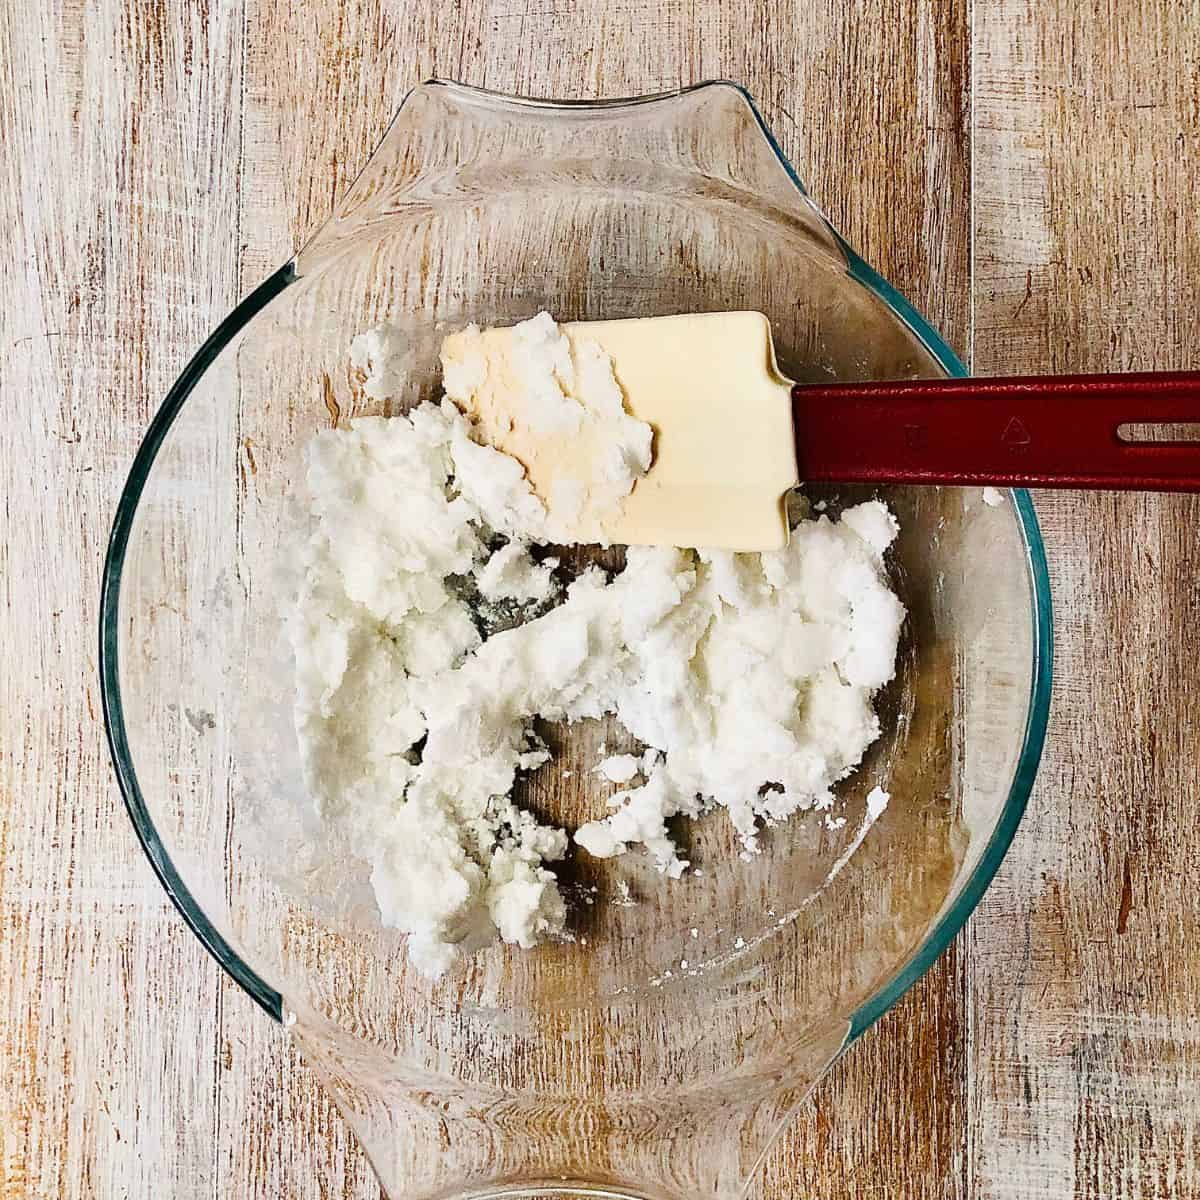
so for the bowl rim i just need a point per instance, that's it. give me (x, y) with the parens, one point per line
(260, 991)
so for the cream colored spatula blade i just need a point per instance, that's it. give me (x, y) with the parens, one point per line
(724, 455)
(708, 384)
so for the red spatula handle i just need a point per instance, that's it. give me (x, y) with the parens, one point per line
(1024, 431)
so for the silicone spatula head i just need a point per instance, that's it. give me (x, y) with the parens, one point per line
(708, 385)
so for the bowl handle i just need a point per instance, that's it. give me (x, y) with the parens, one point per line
(431, 1137)
(453, 144)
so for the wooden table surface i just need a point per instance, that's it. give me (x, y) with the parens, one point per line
(1025, 170)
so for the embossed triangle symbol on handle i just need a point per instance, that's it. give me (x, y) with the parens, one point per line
(1015, 433)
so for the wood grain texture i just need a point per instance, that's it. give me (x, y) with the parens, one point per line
(158, 159)
(1083, 968)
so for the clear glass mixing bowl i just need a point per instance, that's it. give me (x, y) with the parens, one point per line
(602, 1063)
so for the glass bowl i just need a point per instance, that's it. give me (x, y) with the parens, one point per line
(659, 1052)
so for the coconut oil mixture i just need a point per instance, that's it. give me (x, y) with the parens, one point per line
(432, 625)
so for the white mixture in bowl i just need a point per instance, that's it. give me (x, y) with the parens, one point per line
(749, 678)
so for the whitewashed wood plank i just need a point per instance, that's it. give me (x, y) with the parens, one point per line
(1085, 1065)
(117, 255)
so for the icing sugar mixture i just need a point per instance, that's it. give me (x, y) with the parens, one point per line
(748, 678)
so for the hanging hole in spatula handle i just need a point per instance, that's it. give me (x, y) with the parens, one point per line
(1070, 431)
(1139, 433)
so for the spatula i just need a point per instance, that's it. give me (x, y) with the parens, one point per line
(733, 435)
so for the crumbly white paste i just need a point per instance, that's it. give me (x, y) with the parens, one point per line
(381, 354)
(553, 402)
(748, 678)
